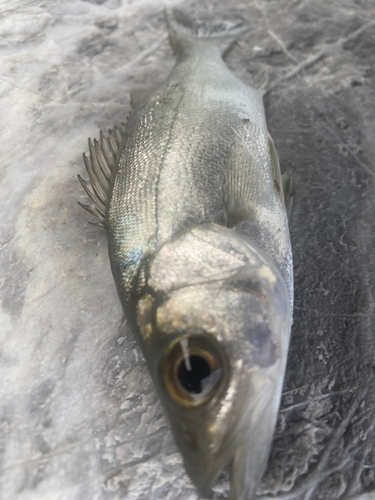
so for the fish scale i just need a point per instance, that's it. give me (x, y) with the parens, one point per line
(195, 213)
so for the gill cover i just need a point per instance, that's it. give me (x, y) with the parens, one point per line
(214, 325)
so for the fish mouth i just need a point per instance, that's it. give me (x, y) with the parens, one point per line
(250, 460)
(245, 443)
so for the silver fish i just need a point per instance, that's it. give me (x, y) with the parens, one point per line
(192, 198)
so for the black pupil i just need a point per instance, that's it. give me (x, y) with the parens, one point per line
(192, 373)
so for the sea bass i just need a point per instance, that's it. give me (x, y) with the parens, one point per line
(194, 204)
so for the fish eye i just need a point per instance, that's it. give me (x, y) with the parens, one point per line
(193, 373)
(194, 369)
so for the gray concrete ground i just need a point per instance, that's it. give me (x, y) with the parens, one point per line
(79, 417)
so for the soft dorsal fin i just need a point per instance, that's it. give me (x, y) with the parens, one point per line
(137, 96)
(104, 156)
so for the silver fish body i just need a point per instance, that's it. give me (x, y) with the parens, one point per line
(200, 251)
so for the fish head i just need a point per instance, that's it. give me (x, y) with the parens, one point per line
(215, 325)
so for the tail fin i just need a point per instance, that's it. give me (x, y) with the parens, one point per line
(185, 31)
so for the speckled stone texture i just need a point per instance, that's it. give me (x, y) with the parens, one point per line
(79, 417)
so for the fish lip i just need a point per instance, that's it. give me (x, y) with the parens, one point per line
(204, 481)
(205, 487)
(247, 441)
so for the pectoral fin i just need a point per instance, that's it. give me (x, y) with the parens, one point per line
(275, 168)
(287, 188)
(283, 183)
(240, 204)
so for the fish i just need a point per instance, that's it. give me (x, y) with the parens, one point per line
(190, 193)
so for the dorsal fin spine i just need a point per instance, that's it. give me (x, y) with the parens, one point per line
(113, 141)
(91, 194)
(98, 171)
(93, 211)
(94, 183)
(102, 161)
(118, 135)
(107, 150)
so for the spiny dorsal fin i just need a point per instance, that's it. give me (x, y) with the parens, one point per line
(104, 155)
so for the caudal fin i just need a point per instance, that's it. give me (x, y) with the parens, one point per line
(185, 31)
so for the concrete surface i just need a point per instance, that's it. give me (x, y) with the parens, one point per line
(79, 417)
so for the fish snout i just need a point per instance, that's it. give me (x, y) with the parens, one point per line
(230, 420)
